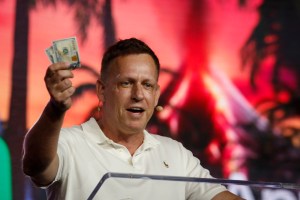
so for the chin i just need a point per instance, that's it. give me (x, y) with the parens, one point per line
(136, 128)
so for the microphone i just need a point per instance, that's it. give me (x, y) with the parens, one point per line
(159, 108)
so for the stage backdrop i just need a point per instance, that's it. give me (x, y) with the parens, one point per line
(229, 79)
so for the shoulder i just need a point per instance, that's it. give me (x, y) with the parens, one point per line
(79, 131)
(166, 140)
(71, 134)
(177, 155)
(71, 131)
(170, 145)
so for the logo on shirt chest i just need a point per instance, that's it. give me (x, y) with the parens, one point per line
(166, 164)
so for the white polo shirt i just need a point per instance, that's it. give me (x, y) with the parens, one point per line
(86, 154)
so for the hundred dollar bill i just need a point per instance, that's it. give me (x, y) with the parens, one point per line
(51, 55)
(64, 50)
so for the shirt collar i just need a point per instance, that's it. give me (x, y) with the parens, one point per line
(94, 133)
(149, 141)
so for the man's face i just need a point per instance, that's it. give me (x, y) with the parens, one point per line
(129, 93)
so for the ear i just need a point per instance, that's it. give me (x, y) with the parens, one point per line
(100, 90)
(157, 95)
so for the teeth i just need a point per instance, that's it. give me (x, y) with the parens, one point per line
(136, 109)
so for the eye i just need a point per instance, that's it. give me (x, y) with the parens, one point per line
(148, 85)
(125, 83)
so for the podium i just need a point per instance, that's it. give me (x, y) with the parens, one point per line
(140, 185)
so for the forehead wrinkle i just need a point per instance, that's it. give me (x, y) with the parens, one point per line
(118, 76)
(140, 75)
(138, 72)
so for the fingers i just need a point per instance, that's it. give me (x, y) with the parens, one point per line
(59, 85)
(58, 71)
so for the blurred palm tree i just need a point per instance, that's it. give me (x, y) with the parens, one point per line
(276, 36)
(16, 125)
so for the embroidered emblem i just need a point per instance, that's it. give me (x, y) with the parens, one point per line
(166, 165)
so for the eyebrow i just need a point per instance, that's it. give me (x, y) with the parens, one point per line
(119, 76)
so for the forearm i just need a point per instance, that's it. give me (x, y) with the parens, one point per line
(40, 143)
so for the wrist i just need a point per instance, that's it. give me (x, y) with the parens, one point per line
(54, 111)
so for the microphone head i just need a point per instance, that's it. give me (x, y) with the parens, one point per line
(159, 108)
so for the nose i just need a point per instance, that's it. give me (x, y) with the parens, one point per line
(137, 92)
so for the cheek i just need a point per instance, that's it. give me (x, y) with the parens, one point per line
(151, 98)
(152, 95)
(117, 98)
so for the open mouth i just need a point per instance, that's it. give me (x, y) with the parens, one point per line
(135, 110)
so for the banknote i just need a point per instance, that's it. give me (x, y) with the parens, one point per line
(51, 55)
(64, 50)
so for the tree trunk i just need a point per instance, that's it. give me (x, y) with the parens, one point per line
(109, 25)
(16, 126)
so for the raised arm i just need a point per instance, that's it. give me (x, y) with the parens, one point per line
(40, 160)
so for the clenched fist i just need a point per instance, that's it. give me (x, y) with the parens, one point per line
(59, 85)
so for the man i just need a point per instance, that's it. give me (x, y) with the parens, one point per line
(69, 162)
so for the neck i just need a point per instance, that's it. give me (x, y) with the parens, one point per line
(132, 141)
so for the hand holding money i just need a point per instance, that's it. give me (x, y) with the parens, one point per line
(64, 50)
(59, 85)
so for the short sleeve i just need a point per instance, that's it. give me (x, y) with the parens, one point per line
(199, 190)
(63, 153)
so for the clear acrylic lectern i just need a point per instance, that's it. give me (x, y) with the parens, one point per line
(144, 186)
